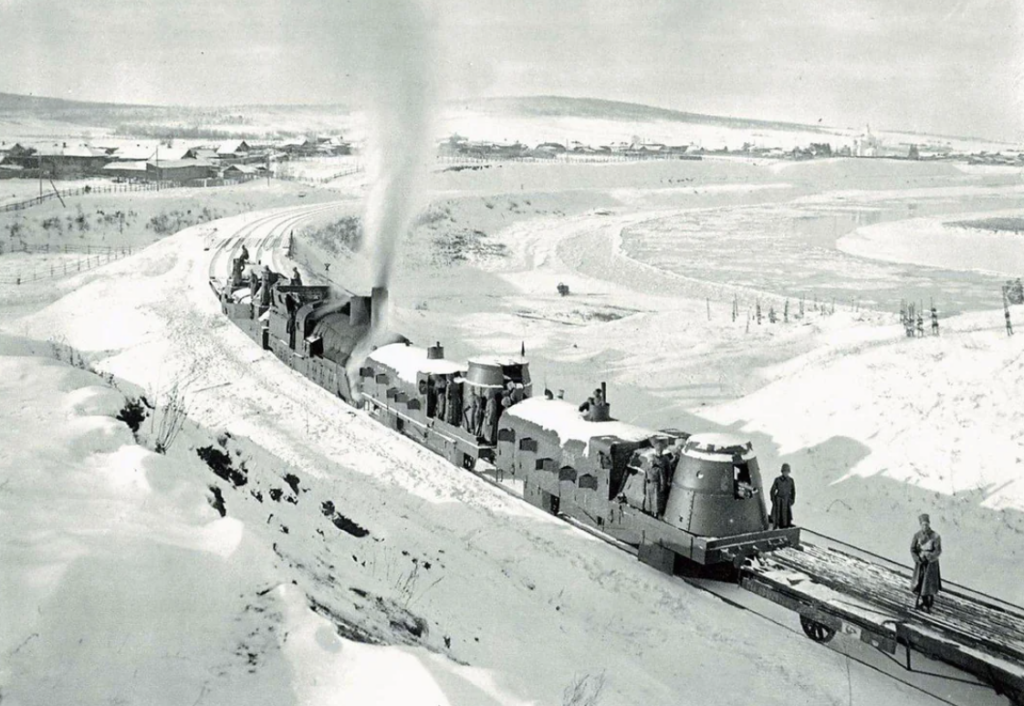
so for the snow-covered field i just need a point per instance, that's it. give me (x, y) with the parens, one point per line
(122, 583)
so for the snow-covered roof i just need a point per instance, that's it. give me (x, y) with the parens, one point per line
(232, 147)
(50, 150)
(178, 163)
(136, 152)
(407, 361)
(83, 151)
(125, 166)
(566, 420)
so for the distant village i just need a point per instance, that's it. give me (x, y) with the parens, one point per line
(240, 159)
(866, 145)
(158, 161)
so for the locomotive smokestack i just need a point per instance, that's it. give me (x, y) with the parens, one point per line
(379, 309)
(604, 391)
(359, 311)
(435, 352)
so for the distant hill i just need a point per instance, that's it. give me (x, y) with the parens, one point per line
(219, 122)
(596, 108)
(14, 102)
(112, 114)
(290, 120)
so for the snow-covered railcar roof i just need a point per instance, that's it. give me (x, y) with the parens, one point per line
(566, 420)
(408, 361)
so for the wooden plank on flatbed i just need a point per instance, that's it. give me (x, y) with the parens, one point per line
(853, 596)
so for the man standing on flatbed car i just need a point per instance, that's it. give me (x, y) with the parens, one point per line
(926, 547)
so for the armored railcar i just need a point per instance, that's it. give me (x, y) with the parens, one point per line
(673, 496)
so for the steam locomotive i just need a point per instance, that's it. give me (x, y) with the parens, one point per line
(678, 498)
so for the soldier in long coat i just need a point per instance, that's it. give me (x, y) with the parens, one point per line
(657, 480)
(926, 547)
(783, 495)
(441, 388)
(481, 411)
(265, 286)
(490, 420)
(454, 393)
(472, 426)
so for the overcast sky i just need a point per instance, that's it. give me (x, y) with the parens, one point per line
(927, 65)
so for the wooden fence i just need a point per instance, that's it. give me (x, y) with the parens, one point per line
(56, 261)
(117, 188)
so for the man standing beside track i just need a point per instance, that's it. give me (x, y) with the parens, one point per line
(926, 547)
(783, 495)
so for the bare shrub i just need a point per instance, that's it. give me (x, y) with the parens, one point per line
(172, 419)
(584, 690)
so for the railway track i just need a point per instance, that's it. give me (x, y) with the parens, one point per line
(279, 226)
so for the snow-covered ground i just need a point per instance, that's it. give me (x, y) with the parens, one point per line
(419, 583)
(937, 242)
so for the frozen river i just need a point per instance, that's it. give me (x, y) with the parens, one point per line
(789, 250)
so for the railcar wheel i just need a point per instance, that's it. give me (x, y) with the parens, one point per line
(816, 631)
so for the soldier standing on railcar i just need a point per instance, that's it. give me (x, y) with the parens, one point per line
(454, 393)
(518, 393)
(657, 481)
(441, 392)
(472, 425)
(490, 420)
(586, 407)
(926, 547)
(481, 413)
(783, 495)
(265, 287)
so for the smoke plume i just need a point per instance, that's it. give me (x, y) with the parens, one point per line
(401, 107)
